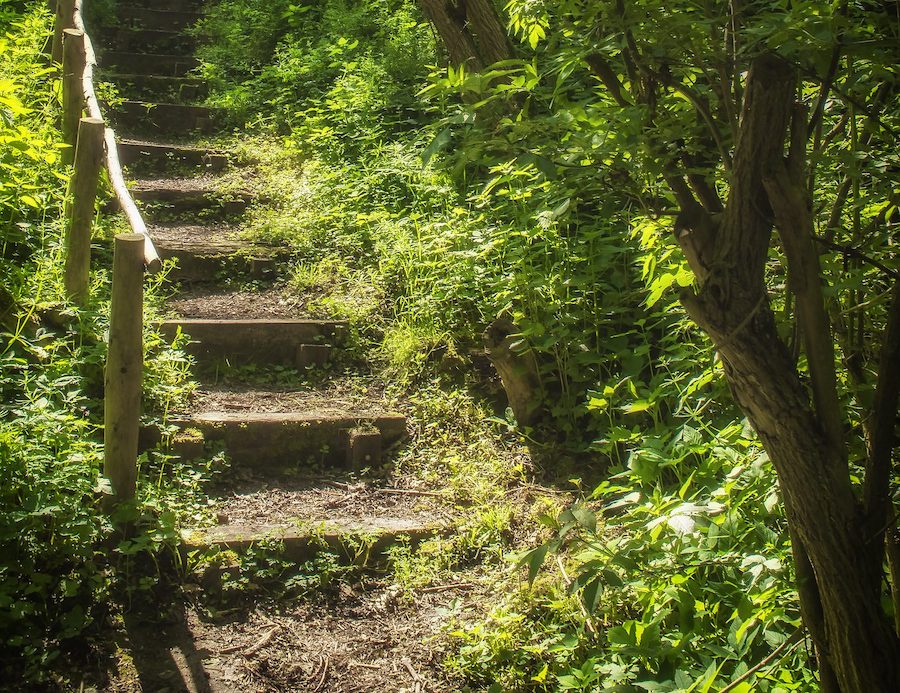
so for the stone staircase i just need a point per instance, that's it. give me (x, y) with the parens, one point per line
(293, 443)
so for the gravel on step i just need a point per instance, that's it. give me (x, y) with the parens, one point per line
(338, 397)
(202, 183)
(202, 301)
(284, 501)
(194, 235)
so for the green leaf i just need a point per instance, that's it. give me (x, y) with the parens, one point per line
(438, 144)
(535, 559)
(585, 517)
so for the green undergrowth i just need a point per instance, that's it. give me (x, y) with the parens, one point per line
(63, 560)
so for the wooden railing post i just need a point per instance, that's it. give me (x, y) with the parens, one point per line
(124, 366)
(80, 207)
(65, 19)
(74, 62)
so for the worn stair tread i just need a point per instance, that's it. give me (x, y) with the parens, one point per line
(137, 116)
(204, 183)
(286, 342)
(330, 326)
(190, 185)
(137, 141)
(169, 41)
(204, 253)
(247, 418)
(346, 397)
(361, 542)
(205, 301)
(251, 532)
(162, 64)
(157, 18)
(157, 87)
(311, 438)
(153, 18)
(190, 189)
(164, 5)
(199, 239)
(152, 106)
(258, 499)
(140, 151)
(392, 424)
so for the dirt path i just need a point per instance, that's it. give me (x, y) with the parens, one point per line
(290, 591)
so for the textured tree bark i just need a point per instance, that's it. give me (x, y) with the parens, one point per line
(490, 34)
(453, 33)
(471, 31)
(732, 307)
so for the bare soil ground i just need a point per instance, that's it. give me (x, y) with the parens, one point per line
(363, 638)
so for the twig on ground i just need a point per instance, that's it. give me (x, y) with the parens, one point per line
(413, 492)
(344, 486)
(323, 663)
(262, 642)
(363, 665)
(535, 488)
(444, 588)
(417, 678)
(400, 491)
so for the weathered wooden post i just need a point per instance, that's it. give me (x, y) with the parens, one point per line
(80, 206)
(65, 19)
(74, 62)
(124, 366)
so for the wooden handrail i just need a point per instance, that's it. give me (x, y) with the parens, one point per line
(152, 260)
(94, 144)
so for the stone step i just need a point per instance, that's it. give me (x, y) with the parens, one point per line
(274, 441)
(156, 18)
(356, 542)
(131, 39)
(169, 4)
(157, 88)
(259, 300)
(156, 156)
(177, 197)
(298, 343)
(147, 63)
(168, 119)
(203, 254)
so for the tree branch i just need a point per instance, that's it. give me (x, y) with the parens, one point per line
(795, 226)
(876, 492)
(825, 89)
(602, 70)
(703, 109)
(850, 251)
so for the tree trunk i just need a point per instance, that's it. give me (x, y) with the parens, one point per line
(453, 33)
(490, 34)
(732, 307)
(471, 31)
